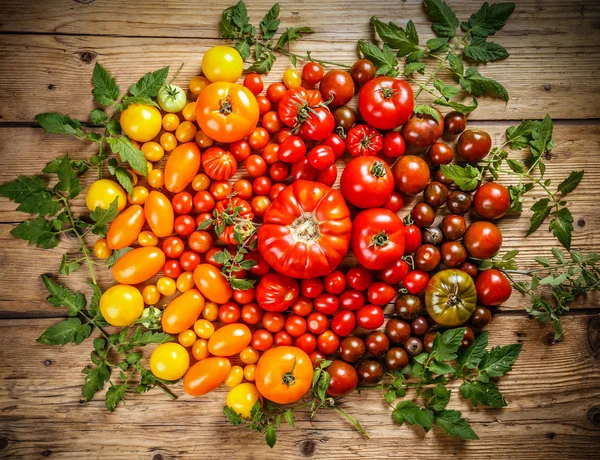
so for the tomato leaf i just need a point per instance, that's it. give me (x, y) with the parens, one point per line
(232, 416)
(440, 399)
(385, 64)
(426, 109)
(105, 91)
(70, 330)
(443, 18)
(271, 435)
(438, 45)
(243, 47)
(451, 422)
(40, 232)
(60, 296)
(447, 344)
(483, 51)
(68, 266)
(139, 338)
(561, 226)
(470, 357)
(241, 284)
(55, 123)
(498, 361)
(114, 396)
(116, 255)
(412, 67)
(68, 182)
(31, 194)
(135, 157)
(541, 137)
(292, 34)
(270, 22)
(476, 84)
(447, 91)
(408, 412)
(264, 64)
(488, 19)
(571, 182)
(103, 217)
(125, 179)
(98, 116)
(541, 209)
(465, 177)
(403, 41)
(462, 108)
(150, 83)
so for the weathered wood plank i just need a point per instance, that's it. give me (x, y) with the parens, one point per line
(552, 394)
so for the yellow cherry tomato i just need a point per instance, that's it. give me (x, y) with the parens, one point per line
(168, 141)
(189, 111)
(200, 349)
(166, 286)
(242, 398)
(169, 361)
(200, 182)
(197, 84)
(250, 372)
(292, 78)
(204, 328)
(185, 281)
(140, 122)
(186, 131)
(140, 193)
(121, 305)
(170, 122)
(249, 355)
(150, 295)
(211, 311)
(234, 377)
(156, 178)
(203, 140)
(101, 249)
(187, 338)
(103, 192)
(147, 239)
(153, 151)
(222, 63)
(134, 176)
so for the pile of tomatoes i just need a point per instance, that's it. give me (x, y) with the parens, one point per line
(231, 154)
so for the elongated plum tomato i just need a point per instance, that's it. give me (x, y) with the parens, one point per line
(229, 340)
(367, 182)
(306, 230)
(121, 305)
(212, 284)
(183, 311)
(140, 122)
(226, 112)
(138, 265)
(386, 103)
(276, 292)
(206, 375)
(284, 374)
(242, 398)
(450, 297)
(159, 214)
(125, 229)
(103, 192)
(182, 166)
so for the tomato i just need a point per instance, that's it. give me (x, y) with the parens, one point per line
(394, 202)
(311, 287)
(261, 266)
(170, 122)
(200, 241)
(271, 122)
(370, 317)
(412, 238)
(279, 171)
(172, 269)
(276, 292)
(377, 238)
(338, 86)
(138, 265)
(184, 225)
(408, 306)
(275, 92)
(363, 71)
(317, 323)
(296, 105)
(364, 140)
(458, 202)
(491, 201)
(185, 281)
(262, 340)
(352, 349)
(393, 144)
(220, 189)
(344, 378)
(182, 203)
(306, 230)
(273, 321)
(147, 238)
(454, 123)
(302, 306)
(343, 323)
(450, 297)
(256, 166)
(386, 103)
(264, 105)
(318, 125)
(103, 192)
(328, 342)
(415, 281)
(422, 130)
(327, 176)
(218, 164)
(126, 227)
(482, 239)
(222, 63)
(171, 98)
(306, 342)
(284, 374)
(327, 304)
(440, 153)
(366, 182)
(303, 170)
(261, 185)
(453, 254)
(336, 143)
(359, 278)
(187, 338)
(212, 284)
(173, 246)
(243, 189)
(260, 204)
(227, 112)
(242, 399)
(321, 157)
(295, 325)
(292, 149)
(312, 72)
(380, 293)
(204, 328)
(182, 166)
(101, 249)
(344, 117)
(473, 145)
(229, 313)
(182, 312)
(254, 83)
(292, 78)
(244, 296)
(159, 214)
(351, 299)
(140, 122)
(335, 282)
(229, 340)
(121, 305)
(316, 357)
(422, 215)
(169, 361)
(206, 375)
(251, 313)
(258, 138)
(435, 194)
(492, 287)
(411, 174)
(427, 257)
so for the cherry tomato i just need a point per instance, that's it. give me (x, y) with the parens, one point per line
(306, 342)
(292, 78)
(254, 83)
(159, 214)
(415, 281)
(147, 238)
(394, 202)
(121, 305)
(264, 105)
(327, 304)
(262, 340)
(422, 130)
(380, 293)
(482, 239)
(453, 254)
(276, 292)
(172, 268)
(312, 72)
(411, 174)
(189, 260)
(243, 189)
(427, 257)
(492, 287)
(279, 171)
(200, 241)
(422, 215)
(364, 140)
(370, 317)
(458, 202)
(335, 282)
(256, 166)
(359, 278)
(182, 166)
(184, 225)
(126, 227)
(173, 246)
(251, 313)
(473, 145)
(362, 72)
(261, 266)
(273, 321)
(491, 201)
(317, 323)
(282, 339)
(206, 375)
(345, 118)
(302, 306)
(338, 86)
(244, 296)
(275, 92)
(140, 122)
(295, 325)
(412, 238)
(343, 323)
(327, 176)
(292, 149)
(351, 299)
(261, 185)
(169, 361)
(182, 312)
(440, 153)
(258, 138)
(101, 249)
(328, 342)
(311, 287)
(220, 190)
(393, 144)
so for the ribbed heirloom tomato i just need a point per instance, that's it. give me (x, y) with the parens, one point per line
(182, 166)
(386, 103)
(218, 164)
(276, 292)
(306, 230)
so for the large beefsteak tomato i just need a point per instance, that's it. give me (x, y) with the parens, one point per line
(450, 297)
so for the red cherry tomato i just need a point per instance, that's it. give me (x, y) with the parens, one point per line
(412, 238)
(317, 323)
(335, 282)
(328, 342)
(415, 281)
(171, 268)
(295, 325)
(312, 72)
(343, 323)
(311, 287)
(282, 339)
(393, 144)
(364, 140)
(254, 83)
(380, 293)
(292, 149)
(492, 287)
(351, 300)
(337, 144)
(370, 317)
(327, 176)
(359, 278)
(321, 157)
(394, 202)
(327, 304)
(306, 342)
(189, 260)
(395, 273)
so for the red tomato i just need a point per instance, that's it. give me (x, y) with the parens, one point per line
(240, 150)
(415, 281)
(189, 260)
(138, 265)
(338, 86)
(282, 339)
(411, 174)
(482, 239)
(256, 166)
(229, 313)
(344, 378)
(316, 357)
(328, 342)
(395, 273)
(203, 201)
(366, 182)
(311, 287)
(182, 166)
(271, 122)
(306, 230)
(318, 125)
(172, 268)
(126, 227)
(173, 246)
(351, 300)
(492, 287)
(343, 323)
(264, 105)
(335, 282)
(262, 340)
(261, 267)
(491, 201)
(295, 325)
(337, 144)
(258, 138)
(218, 164)
(317, 323)
(275, 92)
(380, 293)
(386, 103)
(220, 189)
(364, 140)
(254, 83)
(394, 145)
(261, 185)
(370, 317)
(244, 296)
(200, 241)
(306, 342)
(327, 176)
(412, 238)
(184, 225)
(302, 306)
(273, 321)
(292, 149)
(312, 72)
(251, 313)
(321, 157)
(159, 214)
(303, 170)
(296, 105)
(394, 202)
(327, 304)
(279, 171)
(271, 153)
(359, 278)
(182, 203)
(276, 292)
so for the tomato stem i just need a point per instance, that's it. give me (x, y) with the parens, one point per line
(226, 107)
(288, 378)
(380, 239)
(378, 169)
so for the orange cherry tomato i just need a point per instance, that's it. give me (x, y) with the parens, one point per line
(138, 265)
(212, 284)
(159, 214)
(124, 230)
(147, 238)
(229, 340)
(218, 164)
(182, 312)
(206, 375)
(182, 166)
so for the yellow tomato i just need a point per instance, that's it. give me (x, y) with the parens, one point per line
(101, 249)
(169, 361)
(204, 328)
(292, 78)
(140, 193)
(197, 84)
(222, 63)
(242, 398)
(103, 192)
(203, 140)
(121, 305)
(229, 340)
(168, 141)
(170, 122)
(234, 377)
(200, 349)
(250, 372)
(156, 178)
(211, 311)
(186, 131)
(150, 295)
(147, 239)
(153, 151)
(185, 281)
(166, 286)
(141, 122)
(249, 355)
(189, 111)
(182, 312)
(187, 338)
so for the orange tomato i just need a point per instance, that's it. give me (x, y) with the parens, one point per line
(284, 374)
(182, 312)
(218, 164)
(226, 112)
(138, 265)
(229, 340)
(206, 375)
(212, 284)
(181, 167)
(124, 230)
(159, 214)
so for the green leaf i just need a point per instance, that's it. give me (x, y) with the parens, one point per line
(125, 178)
(408, 412)
(94, 307)
(228, 28)
(31, 194)
(271, 435)
(541, 134)
(94, 380)
(516, 193)
(476, 84)
(470, 358)
(114, 127)
(240, 16)
(98, 116)
(561, 226)
(292, 34)
(452, 423)
(498, 361)
(447, 91)
(412, 67)
(482, 51)
(288, 416)
(438, 45)
(571, 182)
(103, 217)
(243, 47)
(456, 64)
(444, 19)
(541, 209)
(462, 108)
(559, 255)
(441, 398)
(515, 166)
(144, 100)
(390, 396)
(520, 136)
(123, 146)
(465, 177)
(378, 57)
(139, 338)
(232, 416)
(106, 91)
(270, 22)
(67, 267)
(264, 64)
(69, 330)
(447, 344)
(486, 394)
(441, 368)
(426, 109)
(68, 181)
(404, 41)
(116, 255)
(60, 296)
(114, 396)
(241, 284)
(39, 232)
(149, 84)
(488, 19)
(55, 123)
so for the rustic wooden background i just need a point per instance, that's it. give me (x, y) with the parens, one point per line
(47, 52)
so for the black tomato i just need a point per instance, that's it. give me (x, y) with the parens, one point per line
(413, 346)
(419, 325)
(440, 153)
(454, 227)
(433, 235)
(441, 177)
(396, 358)
(370, 372)
(422, 130)
(453, 254)
(397, 330)
(427, 257)
(468, 338)
(454, 123)
(458, 202)
(362, 71)
(481, 317)
(474, 145)
(428, 341)
(435, 194)
(469, 268)
(408, 306)
(344, 117)
(352, 349)
(422, 215)
(377, 343)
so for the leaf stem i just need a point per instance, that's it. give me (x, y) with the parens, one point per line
(355, 422)
(83, 247)
(440, 67)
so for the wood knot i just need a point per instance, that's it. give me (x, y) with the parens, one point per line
(593, 415)
(47, 453)
(551, 435)
(547, 87)
(87, 57)
(548, 339)
(593, 337)
(547, 156)
(157, 457)
(51, 86)
(48, 362)
(581, 222)
(3, 443)
(307, 447)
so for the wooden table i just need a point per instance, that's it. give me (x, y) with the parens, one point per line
(47, 52)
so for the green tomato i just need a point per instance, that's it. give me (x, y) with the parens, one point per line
(171, 98)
